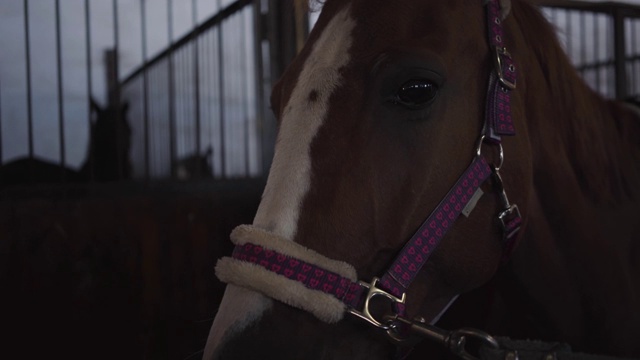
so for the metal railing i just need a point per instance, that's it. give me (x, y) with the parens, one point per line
(194, 106)
(196, 109)
(603, 41)
(199, 107)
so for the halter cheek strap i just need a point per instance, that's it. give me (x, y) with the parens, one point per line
(302, 278)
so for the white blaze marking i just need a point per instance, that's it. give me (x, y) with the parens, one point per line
(290, 175)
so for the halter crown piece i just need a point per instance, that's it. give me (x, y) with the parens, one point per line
(302, 278)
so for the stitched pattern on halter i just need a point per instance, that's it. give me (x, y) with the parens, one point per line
(417, 251)
(313, 277)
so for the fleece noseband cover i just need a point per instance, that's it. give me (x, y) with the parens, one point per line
(251, 275)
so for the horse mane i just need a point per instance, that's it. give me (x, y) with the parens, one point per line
(599, 136)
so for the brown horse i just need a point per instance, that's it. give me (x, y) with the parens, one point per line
(379, 115)
(107, 155)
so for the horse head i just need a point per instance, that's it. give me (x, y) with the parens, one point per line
(109, 144)
(383, 117)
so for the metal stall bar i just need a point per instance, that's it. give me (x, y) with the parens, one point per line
(635, 63)
(244, 91)
(583, 39)
(196, 83)
(596, 51)
(87, 25)
(172, 95)
(115, 97)
(619, 54)
(29, 94)
(222, 98)
(632, 53)
(258, 83)
(0, 128)
(60, 93)
(145, 89)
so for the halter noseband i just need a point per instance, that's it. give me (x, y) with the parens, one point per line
(302, 278)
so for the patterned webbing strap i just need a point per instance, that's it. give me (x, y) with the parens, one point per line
(311, 276)
(502, 81)
(422, 244)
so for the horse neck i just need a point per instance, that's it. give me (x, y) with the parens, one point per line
(575, 132)
(584, 198)
(107, 157)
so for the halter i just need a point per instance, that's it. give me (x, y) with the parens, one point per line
(302, 278)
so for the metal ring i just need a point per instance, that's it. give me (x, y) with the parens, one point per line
(501, 157)
(479, 146)
(500, 152)
(458, 341)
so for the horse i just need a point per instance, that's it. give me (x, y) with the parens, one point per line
(195, 166)
(467, 114)
(107, 156)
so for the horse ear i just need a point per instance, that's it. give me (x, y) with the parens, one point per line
(209, 151)
(124, 108)
(505, 8)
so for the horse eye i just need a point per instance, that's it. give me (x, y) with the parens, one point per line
(416, 93)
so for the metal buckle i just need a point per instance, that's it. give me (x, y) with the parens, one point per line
(374, 291)
(502, 51)
(510, 213)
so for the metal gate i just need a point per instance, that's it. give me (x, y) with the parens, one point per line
(603, 42)
(191, 101)
(179, 87)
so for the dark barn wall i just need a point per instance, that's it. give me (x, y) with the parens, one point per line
(113, 273)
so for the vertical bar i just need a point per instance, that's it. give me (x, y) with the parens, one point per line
(196, 82)
(583, 40)
(153, 118)
(28, 70)
(60, 94)
(91, 155)
(145, 88)
(1, 157)
(181, 139)
(243, 87)
(221, 95)
(635, 61)
(116, 92)
(259, 75)
(596, 51)
(172, 119)
(205, 84)
(569, 27)
(619, 54)
(631, 58)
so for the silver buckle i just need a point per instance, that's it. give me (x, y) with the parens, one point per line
(502, 51)
(509, 213)
(374, 291)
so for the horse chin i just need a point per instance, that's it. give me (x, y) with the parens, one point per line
(286, 333)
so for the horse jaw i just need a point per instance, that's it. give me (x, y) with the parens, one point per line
(290, 175)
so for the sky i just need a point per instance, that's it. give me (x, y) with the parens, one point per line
(73, 35)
